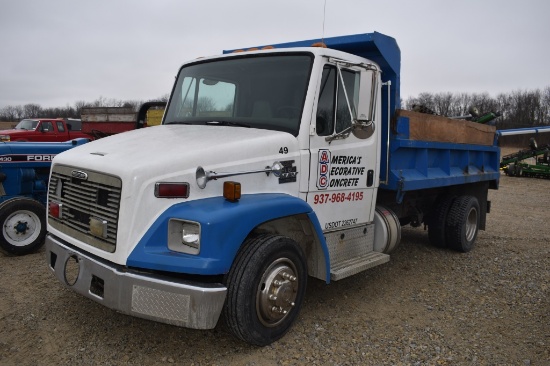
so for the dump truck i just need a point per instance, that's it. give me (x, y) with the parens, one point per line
(100, 122)
(274, 165)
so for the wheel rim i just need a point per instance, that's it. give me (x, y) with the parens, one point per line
(277, 292)
(21, 228)
(471, 224)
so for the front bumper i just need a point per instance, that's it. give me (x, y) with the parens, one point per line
(147, 296)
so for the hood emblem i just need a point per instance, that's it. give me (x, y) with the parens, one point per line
(79, 175)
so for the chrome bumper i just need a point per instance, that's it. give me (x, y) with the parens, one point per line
(145, 296)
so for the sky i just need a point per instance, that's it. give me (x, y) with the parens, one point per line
(57, 52)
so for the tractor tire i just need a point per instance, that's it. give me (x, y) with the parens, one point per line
(438, 222)
(519, 171)
(265, 289)
(463, 222)
(510, 169)
(23, 223)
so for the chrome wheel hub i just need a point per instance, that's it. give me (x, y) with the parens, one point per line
(277, 292)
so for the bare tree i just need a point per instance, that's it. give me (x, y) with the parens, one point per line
(78, 105)
(443, 103)
(19, 112)
(206, 104)
(32, 110)
(9, 113)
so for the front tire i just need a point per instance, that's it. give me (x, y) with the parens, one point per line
(23, 223)
(463, 223)
(265, 289)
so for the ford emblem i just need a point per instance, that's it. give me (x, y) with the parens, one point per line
(79, 175)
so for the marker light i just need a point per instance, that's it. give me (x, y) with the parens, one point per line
(232, 191)
(55, 209)
(171, 190)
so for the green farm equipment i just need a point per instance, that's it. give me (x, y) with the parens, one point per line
(532, 162)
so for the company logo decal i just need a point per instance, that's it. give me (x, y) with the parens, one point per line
(339, 171)
(288, 173)
(24, 158)
(323, 169)
(79, 175)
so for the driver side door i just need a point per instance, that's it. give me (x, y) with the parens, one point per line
(343, 166)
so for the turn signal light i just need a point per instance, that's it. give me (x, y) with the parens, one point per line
(171, 190)
(232, 191)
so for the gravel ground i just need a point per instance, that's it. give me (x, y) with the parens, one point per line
(427, 306)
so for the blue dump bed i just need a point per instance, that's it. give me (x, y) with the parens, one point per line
(425, 151)
(428, 151)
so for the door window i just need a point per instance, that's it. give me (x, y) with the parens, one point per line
(47, 127)
(333, 113)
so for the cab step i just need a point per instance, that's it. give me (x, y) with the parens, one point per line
(355, 265)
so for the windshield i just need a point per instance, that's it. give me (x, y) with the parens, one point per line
(27, 124)
(266, 91)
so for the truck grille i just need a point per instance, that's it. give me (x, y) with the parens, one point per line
(85, 197)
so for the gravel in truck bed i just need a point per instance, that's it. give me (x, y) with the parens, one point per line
(427, 306)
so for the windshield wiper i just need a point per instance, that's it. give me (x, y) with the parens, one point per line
(226, 123)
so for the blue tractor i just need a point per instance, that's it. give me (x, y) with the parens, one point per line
(24, 174)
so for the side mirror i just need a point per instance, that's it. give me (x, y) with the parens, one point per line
(367, 96)
(363, 130)
(363, 126)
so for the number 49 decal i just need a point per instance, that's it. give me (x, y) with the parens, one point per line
(283, 150)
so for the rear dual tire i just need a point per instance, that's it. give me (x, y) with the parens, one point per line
(455, 223)
(463, 223)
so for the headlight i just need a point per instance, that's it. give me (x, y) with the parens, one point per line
(184, 236)
(4, 138)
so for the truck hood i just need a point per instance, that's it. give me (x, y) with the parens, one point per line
(13, 132)
(172, 153)
(158, 150)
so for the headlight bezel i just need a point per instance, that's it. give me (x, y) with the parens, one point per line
(184, 236)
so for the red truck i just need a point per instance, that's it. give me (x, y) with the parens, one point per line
(95, 123)
(45, 130)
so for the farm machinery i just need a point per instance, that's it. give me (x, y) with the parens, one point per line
(24, 173)
(531, 162)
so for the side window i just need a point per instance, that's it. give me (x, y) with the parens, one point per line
(325, 107)
(332, 110)
(351, 83)
(47, 127)
(60, 126)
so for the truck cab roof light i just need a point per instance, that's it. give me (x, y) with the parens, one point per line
(172, 190)
(231, 191)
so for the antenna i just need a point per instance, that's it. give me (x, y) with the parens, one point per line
(324, 16)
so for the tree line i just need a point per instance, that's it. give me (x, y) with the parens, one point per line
(16, 113)
(518, 109)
